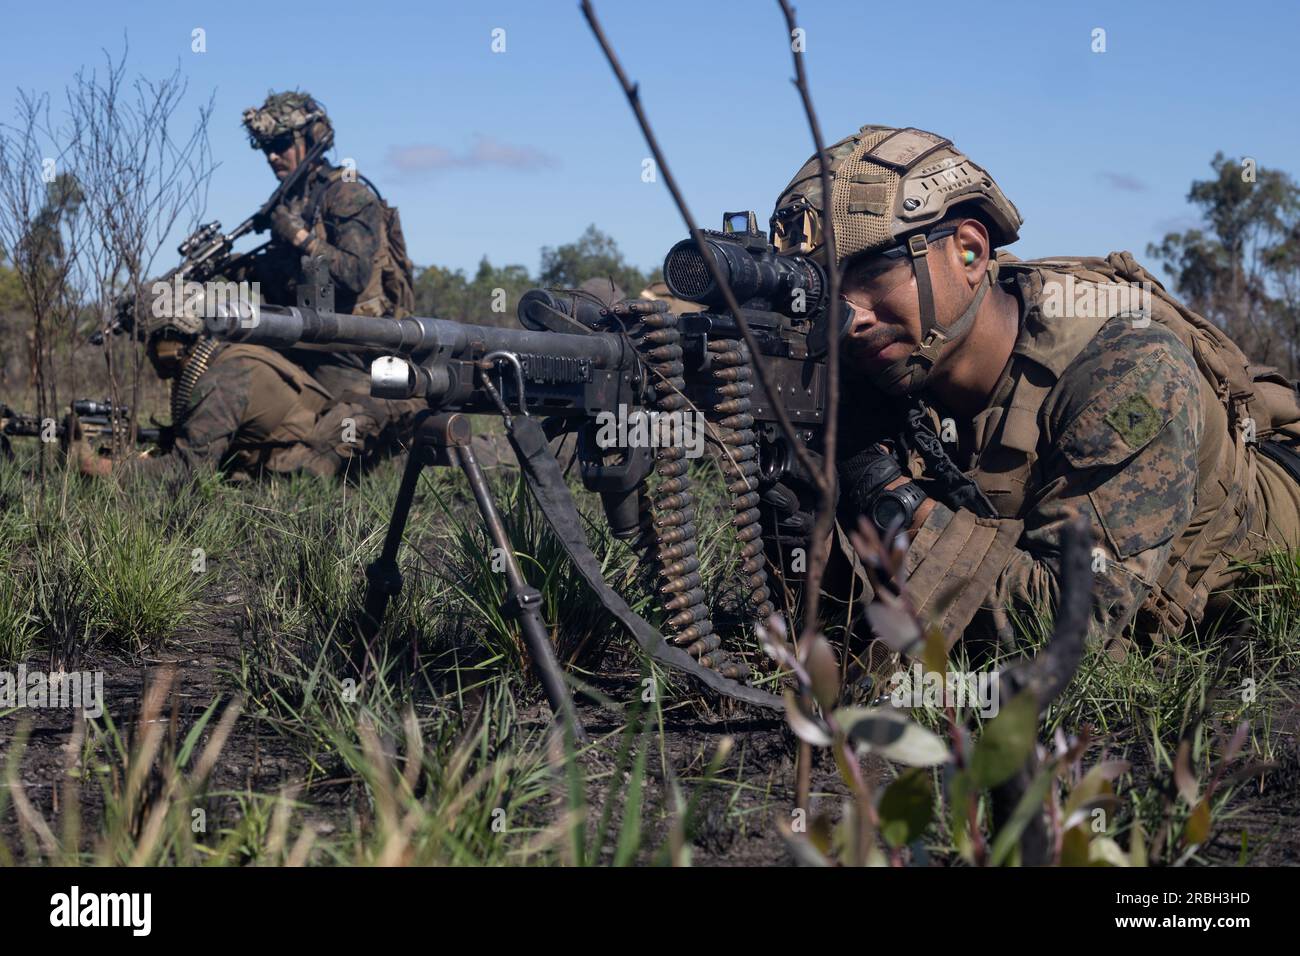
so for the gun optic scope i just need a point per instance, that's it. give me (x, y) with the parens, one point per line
(791, 285)
(88, 407)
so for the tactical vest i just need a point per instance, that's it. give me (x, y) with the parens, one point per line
(1256, 403)
(390, 290)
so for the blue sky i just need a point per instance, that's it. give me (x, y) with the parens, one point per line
(502, 153)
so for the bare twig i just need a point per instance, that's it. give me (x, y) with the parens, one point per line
(38, 200)
(138, 181)
(1045, 676)
(631, 91)
(822, 527)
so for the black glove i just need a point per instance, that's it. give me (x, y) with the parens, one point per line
(789, 513)
(862, 477)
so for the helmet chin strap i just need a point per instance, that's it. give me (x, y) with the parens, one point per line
(910, 373)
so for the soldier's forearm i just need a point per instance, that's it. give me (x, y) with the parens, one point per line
(1031, 585)
(954, 564)
(959, 564)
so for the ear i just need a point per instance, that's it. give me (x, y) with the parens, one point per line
(972, 237)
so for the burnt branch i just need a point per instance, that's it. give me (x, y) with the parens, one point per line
(1047, 673)
(1045, 676)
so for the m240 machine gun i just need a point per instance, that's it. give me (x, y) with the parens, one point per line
(579, 361)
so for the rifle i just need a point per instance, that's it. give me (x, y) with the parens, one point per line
(206, 253)
(579, 364)
(98, 421)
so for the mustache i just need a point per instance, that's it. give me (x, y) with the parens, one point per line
(876, 338)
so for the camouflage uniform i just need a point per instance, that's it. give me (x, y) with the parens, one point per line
(346, 222)
(1149, 423)
(347, 233)
(253, 412)
(1110, 417)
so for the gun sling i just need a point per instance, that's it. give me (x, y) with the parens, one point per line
(546, 481)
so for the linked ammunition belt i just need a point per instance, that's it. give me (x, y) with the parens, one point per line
(546, 482)
(669, 531)
(184, 384)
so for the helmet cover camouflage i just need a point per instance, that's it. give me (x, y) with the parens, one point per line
(288, 112)
(886, 183)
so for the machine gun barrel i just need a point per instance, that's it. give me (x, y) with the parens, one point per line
(567, 374)
(415, 337)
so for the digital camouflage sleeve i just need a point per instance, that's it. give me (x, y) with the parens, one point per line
(1121, 433)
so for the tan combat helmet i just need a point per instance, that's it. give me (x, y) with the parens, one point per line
(888, 187)
(288, 112)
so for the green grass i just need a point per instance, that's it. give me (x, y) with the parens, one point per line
(437, 746)
(435, 751)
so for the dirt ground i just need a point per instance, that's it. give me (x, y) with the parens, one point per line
(735, 825)
(257, 759)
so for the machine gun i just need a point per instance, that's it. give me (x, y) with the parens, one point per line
(98, 422)
(206, 253)
(579, 363)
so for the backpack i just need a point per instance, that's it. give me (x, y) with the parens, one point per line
(1263, 407)
(1258, 393)
(399, 275)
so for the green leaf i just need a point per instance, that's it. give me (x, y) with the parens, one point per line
(1096, 782)
(1198, 824)
(906, 807)
(1006, 743)
(1137, 844)
(892, 735)
(1030, 803)
(823, 672)
(804, 853)
(934, 656)
(821, 834)
(1074, 846)
(1103, 851)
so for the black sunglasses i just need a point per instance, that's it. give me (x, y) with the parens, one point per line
(280, 145)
